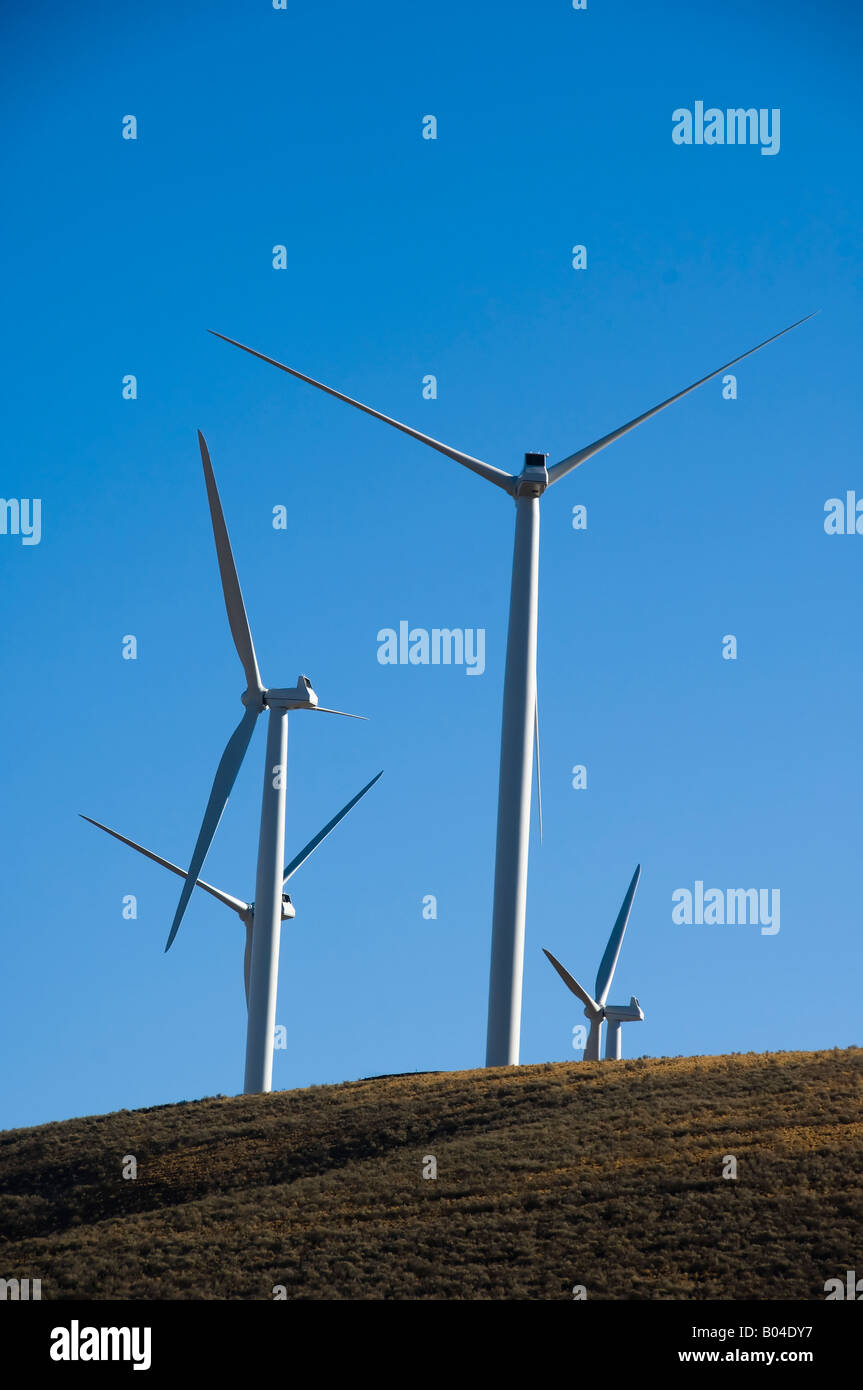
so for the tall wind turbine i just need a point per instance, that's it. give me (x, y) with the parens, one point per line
(519, 696)
(596, 1009)
(264, 966)
(246, 911)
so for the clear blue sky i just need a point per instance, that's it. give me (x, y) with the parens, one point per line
(408, 257)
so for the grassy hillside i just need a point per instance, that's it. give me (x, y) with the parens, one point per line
(606, 1175)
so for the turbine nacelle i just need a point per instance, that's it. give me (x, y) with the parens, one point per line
(625, 1013)
(301, 696)
(533, 479)
(288, 910)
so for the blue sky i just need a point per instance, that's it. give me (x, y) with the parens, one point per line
(406, 257)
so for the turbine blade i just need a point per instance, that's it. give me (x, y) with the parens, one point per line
(236, 903)
(572, 984)
(560, 470)
(291, 869)
(247, 959)
(607, 965)
(485, 470)
(239, 623)
(226, 775)
(321, 709)
(536, 753)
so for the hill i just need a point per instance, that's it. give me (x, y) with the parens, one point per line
(602, 1175)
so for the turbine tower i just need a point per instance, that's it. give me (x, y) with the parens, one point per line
(246, 911)
(596, 1009)
(264, 965)
(519, 717)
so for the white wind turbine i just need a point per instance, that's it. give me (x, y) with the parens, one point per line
(596, 1009)
(519, 720)
(246, 911)
(264, 964)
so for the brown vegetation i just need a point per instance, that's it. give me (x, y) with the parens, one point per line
(605, 1175)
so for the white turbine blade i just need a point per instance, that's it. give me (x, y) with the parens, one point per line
(321, 709)
(485, 470)
(560, 470)
(572, 984)
(299, 859)
(592, 1047)
(607, 965)
(247, 958)
(236, 903)
(239, 622)
(536, 753)
(226, 776)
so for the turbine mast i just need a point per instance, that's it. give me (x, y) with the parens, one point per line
(612, 1045)
(266, 936)
(516, 776)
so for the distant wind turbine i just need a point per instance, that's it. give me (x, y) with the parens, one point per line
(519, 696)
(246, 911)
(596, 1009)
(264, 965)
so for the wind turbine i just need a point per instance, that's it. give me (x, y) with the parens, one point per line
(519, 719)
(246, 911)
(596, 1009)
(264, 965)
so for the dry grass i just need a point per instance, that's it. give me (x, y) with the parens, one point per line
(548, 1176)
